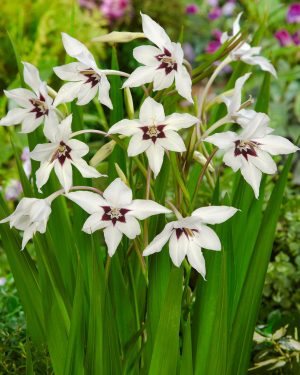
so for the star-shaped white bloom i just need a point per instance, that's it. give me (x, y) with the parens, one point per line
(60, 154)
(36, 104)
(115, 212)
(154, 132)
(162, 64)
(31, 215)
(250, 150)
(86, 79)
(189, 235)
(233, 103)
(246, 53)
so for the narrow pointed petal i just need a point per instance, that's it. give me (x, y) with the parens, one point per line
(88, 201)
(214, 214)
(222, 140)
(172, 142)
(151, 111)
(155, 32)
(142, 208)
(104, 87)
(257, 127)
(263, 162)
(27, 236)
(14, 116)
(146, 55)
(86, 94)
(140, 76)
(78, 50)
(276, 145)
(196, 258)
(112, 237)
(178, 248)
(32, 77)
(30, 123)
(70, 72)
(131, 228)
(137, 145)
(155, 155)
(118, 194)
(42, 174)
(94, 223)
(65, 129)
(208, 239)
(162, 80)
(183, 84)
(79, 148)
(252, 175)
(264, 63)
(231, 160)
(43, 152)
(236, 99)
(125, 127)
(85, 170)
(20, 96)
(64, 174)
(68, 92)
(178, 121)
(51, 125)
(159, 241)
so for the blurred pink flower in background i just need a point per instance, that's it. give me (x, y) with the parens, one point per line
(189, 51)
(214, 45)
(26, 161)
(296, 38)
(191, 9)
(2, 281)
(293, 14)
(228, 8)
(284, 37)
(215, 13)
(212, 3)
(13, 190)
(114, 9)
(88, 4)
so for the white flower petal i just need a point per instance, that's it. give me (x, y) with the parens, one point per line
(51, 125)
(30, 123)
(43, 152)
(78, 50)
(196, 258)
(32, 77)
(262, 62)
(178, 248)
(162, 80)
(85, 170)
(146, 55)
(151, 112)
(214, 214)
(276, 145)
(263, 162)
(118, 194)
(64, 174)
(155, 32)
(257, 127)
(94, 223)
(140, 76)
(87, 93)
(236, 98)
(125, 127)
(27, 236)
(252, 175)
(131, 228)
(104, 87)
(70, 72)
(112, 237)
(222, 140)
(155, 155)
(20, 96)
(183, 83)
(88, 201)
(137, 144)
(79, 148)
(64, 129)
(43, 173)
(159, 241)
(68, 92)
(172, 142)
(178, 121)
(14, 116)
(142, 208)
(207, 238)
(231, 160)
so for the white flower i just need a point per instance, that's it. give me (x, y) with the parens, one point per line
(162, 64)
(31, 215)
(115, 212)
(86, 79)
(36, 105)
(189, 235)
(60, 154)
(154, 132)
(249, 151)
(233, 103)
(246, 53)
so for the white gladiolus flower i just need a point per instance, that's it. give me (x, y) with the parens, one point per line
(115, 212)
(31, 215)
(86, 79)
(61, 153)
(246, 53)
(189, 235)
(233, 103)
(250, 150)
(162, 64)
(154, 132)
(36, 104)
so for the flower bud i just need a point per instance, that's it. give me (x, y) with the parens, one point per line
(200, 158)
(118, 37)
(102, 153)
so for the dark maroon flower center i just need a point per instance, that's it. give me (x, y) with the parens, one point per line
(167, 62)
(62, 153)
(40, 107)
(114, 214)
(186, 231)
(153, 132)
(245, 148)
(92, 77)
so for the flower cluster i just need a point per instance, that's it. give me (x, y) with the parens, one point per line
(155, 133)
